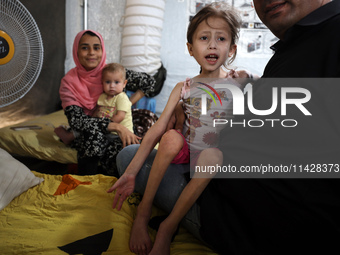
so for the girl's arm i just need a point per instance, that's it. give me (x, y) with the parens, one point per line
(125, 184)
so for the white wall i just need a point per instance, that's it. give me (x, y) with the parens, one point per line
(104, 16)
(174, 52)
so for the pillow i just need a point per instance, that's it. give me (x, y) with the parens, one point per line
(15, 178)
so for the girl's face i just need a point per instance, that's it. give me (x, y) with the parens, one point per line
(211, 45)
(113, 83)
(89, 51)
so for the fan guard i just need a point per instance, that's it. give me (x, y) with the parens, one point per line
(21, 51)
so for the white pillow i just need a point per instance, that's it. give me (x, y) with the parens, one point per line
(15, 178)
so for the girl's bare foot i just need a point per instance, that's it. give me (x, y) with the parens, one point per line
(66, 136)
(140, 241)
(163, 241)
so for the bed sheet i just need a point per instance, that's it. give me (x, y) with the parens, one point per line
(41, 143)
(73, 214)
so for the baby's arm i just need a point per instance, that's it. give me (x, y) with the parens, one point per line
(96, 112)
(118, 117)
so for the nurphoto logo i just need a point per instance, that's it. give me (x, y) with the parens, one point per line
(239, 103)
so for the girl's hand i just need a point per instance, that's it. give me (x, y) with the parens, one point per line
(124, 187)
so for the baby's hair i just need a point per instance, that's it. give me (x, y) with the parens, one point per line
(115, 67)
(217, 10)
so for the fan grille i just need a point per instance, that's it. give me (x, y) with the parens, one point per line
(19, 75)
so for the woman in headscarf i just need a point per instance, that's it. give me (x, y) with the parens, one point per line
(79, 91)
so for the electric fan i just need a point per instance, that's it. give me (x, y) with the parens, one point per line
(21, 51)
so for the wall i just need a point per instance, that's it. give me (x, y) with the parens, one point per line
(174, 54)
(104, 16)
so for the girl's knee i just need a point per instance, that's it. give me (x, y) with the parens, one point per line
(211, 156)
(172, 137)
(171, 142)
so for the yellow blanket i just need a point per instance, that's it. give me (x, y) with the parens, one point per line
(73, 215)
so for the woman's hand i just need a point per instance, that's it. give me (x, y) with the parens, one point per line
(125, 135)
(242, 76)
(128, 137)
(177, 119)
(239, 74)
(124, 187)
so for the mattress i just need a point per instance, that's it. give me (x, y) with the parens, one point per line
(73, 214)
(36, 138)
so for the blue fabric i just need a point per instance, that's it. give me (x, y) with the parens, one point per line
(144, 103)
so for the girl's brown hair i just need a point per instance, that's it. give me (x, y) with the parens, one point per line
(217, 10)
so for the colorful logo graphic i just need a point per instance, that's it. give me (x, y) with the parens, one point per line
(209, 93)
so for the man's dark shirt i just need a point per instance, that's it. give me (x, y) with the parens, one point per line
(311, 48)
(284, 216)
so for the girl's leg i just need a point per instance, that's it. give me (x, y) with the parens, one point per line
(184, 205)
(171, 185)
(169, 146)
(169, 190)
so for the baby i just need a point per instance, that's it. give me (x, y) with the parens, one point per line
(113, 103)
